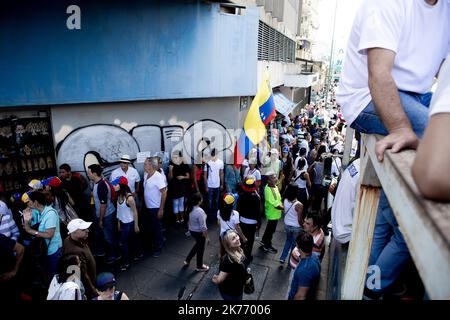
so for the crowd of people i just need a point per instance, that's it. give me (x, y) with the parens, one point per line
(45, 232)
(46, 250)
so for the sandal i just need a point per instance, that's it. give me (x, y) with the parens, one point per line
(204, 268)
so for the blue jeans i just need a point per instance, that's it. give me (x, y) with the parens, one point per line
(127, 237)
(291, 235)
(198, 249)
(213, 202)
(108, 234)
(414, 105)
(389, 251)
(52, 263)
(156, 229)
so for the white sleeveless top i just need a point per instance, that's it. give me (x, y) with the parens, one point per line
(290, 218)
(299, 182)
(124, 213)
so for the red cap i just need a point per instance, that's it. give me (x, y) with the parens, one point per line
(54, 182)
(123, 180)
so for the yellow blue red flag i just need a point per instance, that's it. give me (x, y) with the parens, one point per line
(261, 112)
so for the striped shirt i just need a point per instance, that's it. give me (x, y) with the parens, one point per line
(319, 243)
(318, 237)
(8, 226)
(295, 258)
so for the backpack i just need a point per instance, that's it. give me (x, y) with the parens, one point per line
(113, 192)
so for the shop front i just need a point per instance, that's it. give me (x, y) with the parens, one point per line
(26, 150)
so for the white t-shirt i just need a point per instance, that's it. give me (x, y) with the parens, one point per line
(418, 33)
(231, 224)
(213, 168)
(69, 290)
(344, 203)
(255, 172)
(304, 144)
(132, 176)
(164, 176)
(152, 190)
(441, 98)
(291, 216)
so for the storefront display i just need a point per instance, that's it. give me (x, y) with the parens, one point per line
(26, 152)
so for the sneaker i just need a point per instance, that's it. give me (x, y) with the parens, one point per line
(124, 267)
(281, 261)
(188, 234)
(270, 249)
(111, 260)
(204, 268)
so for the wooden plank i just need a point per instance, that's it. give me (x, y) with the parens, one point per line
(362, 232)
(424, 224)
(349, 133)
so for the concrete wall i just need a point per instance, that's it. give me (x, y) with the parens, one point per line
(124, 51)
(290, 17)
(277, 70)
(113, 129)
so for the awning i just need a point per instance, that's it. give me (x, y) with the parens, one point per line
(282, 104)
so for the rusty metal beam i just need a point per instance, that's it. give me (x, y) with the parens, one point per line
(362, 231)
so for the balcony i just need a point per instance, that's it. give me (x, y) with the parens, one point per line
(302, 80)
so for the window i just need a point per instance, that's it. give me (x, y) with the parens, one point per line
(274, 46)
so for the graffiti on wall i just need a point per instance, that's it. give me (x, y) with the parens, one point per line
(106, 143)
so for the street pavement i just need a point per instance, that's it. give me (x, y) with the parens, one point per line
(161, 278)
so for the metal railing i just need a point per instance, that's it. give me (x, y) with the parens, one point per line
(425, 224)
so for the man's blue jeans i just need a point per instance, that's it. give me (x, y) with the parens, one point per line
(108, 234)
(389, 251)
(156, 229)
(213, 202)
(291, 235)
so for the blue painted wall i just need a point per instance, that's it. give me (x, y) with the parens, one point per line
(125, 51)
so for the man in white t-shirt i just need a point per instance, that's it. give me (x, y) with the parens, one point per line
(213, 176)
(128, 172)
(154, 199)
(344, 203)
(395, 50)
(431, 165)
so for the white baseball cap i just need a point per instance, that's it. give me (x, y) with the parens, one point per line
(78, 224)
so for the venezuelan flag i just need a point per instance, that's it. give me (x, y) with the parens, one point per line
(261, 112)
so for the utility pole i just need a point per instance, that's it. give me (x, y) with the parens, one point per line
(330, 66)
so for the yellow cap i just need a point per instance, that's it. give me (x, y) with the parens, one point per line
(228, 198)
(25, 198)
(35, 184)
(249, 181)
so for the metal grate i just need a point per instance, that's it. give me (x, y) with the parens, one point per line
(274, 46)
